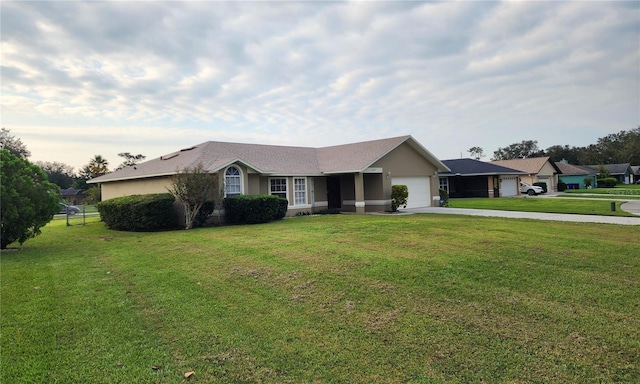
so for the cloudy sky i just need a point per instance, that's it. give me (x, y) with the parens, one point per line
(87, 78)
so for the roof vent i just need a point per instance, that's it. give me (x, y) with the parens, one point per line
(187, 149)
(169, 156)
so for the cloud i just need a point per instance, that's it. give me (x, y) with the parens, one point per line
(318, 73)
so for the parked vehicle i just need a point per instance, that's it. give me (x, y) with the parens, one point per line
(69, 209)
(530, 189)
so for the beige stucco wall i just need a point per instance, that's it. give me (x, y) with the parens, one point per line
(135, 187)
(404, 161)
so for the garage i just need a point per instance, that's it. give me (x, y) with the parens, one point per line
(509, 186)
(419, 190)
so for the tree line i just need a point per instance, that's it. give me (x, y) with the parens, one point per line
(62, 174)
(616, 148)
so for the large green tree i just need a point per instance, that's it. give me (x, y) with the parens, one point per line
(58, 173)
(28, 200)
(129, 159)
(522, 150)
(13, 144)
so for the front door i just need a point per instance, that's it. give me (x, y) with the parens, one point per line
(334, 199)
(496, 186)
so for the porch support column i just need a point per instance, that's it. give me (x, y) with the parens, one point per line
(359, 184)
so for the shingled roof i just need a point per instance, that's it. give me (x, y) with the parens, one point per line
(570, 169)
(271, 159)
(531, 165)
(613, 169)
(472, 167)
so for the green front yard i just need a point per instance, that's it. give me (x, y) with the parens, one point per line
(343, 298)
(543, 204)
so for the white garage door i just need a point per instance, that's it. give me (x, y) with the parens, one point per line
(419, 190)
(509, 186)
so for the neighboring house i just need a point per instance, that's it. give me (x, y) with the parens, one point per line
(474, 178)
(574, 175)
(73, 196)
(353, 177)
(622, 172)
(636, 173)
(537, 169)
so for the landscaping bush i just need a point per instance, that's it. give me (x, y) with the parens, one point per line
(138, 212)
(543, 186)
(399, 196)
(444, 198)
(203, 214)
(562, 186)
(254, 209)
(607, 182)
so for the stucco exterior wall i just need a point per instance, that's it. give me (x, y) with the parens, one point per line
(404, 161)
(135, 187)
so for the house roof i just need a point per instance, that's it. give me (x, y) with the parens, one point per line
(635, 169)
(570, 169)
(472, 167)
(614, 169)
(531, 165)
(271, 159)
(71, 192)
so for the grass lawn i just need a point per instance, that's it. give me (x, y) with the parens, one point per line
(625, 191)
(327, 299)
(539, 204)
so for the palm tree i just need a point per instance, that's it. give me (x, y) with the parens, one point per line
(98, 166)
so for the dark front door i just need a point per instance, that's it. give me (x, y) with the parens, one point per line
(333, 192)
(496, 186)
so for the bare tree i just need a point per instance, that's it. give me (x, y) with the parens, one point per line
(192, 187)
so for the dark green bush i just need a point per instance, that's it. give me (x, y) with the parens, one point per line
(607, 182)
(203, 214)
(254, 209)
(444, 198)
(542, 185)
(399, 196)
(562, 186)
(138, 212)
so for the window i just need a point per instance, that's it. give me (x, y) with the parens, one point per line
(444, 183)
(232, 182)
(300, 191)
(278, 187)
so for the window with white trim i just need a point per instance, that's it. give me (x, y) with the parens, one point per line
(444, 183)
(300, 191)
(232, 182)
(278, 187)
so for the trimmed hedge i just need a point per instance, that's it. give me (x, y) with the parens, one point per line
(607, 182)
(254, 209)
(203, 214)
(138, 212)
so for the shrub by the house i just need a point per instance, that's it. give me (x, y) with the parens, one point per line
(254, 209)
(562, 186)
(607, 182)
(138, 212)
(399, 197)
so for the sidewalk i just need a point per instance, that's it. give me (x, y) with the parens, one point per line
(536, 215)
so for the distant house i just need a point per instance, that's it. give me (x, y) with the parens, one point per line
(574, 175)
(474, 178)
(353, 177)
(537, 169)
(622, 172)
(73, 196)
(636, 173)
